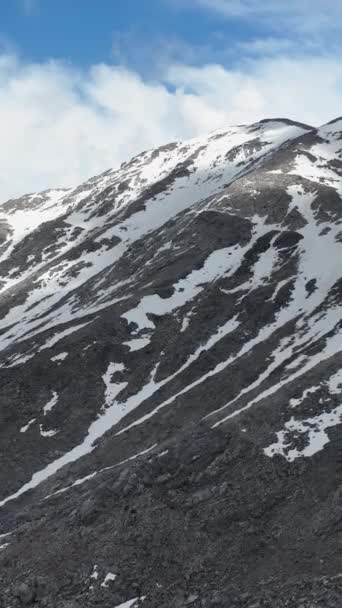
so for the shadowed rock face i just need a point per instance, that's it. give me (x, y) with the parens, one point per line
(171, 379)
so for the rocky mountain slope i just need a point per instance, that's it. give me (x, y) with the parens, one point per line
(171, 379)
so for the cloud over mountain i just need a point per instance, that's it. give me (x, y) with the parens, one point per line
(60, 125)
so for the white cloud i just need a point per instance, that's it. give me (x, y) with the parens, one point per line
(59, 126)
(266, 46)
(305, 89)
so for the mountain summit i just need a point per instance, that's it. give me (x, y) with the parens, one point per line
(171, 379)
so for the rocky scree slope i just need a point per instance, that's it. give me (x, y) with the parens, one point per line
(171, 379)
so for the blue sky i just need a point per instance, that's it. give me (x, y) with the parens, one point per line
(84, 84)
(87, 31)
(141, 33)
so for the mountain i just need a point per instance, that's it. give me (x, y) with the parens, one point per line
(171, 379)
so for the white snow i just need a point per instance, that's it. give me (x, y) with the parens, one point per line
(110, 577)
(94, 575)
(112, 389)
(46, 409)
(27, 426)
(95, 572)
(59, 336)
(6, 535)
(60, 357)
(186, 322)
(314, 431)
(131, 603)
(83, 480)
(138, 343)
(50, 433)
(309, 391)
(161, 454)
(51, 403)
(264, 266)
(18, 360)
(335, 383)
(279, 286)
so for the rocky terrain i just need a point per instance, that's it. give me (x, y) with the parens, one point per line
(171, 379)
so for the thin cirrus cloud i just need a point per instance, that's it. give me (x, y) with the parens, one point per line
(60, 125)
(309, 16)
(292, 9)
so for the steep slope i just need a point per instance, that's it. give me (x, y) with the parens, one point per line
(171, 349)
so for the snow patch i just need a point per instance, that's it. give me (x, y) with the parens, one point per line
(50, 433)
(309, 391)
(112, 389)
(335, 383)
(27, 426)
(138, 343)
(50, 404)
(311, 430)
(60, 357)
(110, 577)
(131, 603)
(59, 336)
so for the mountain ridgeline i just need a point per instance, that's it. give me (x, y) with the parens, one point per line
(171, 379)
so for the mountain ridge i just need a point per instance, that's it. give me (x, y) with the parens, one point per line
(170, 347)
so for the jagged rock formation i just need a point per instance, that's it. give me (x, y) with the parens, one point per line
(171, 382)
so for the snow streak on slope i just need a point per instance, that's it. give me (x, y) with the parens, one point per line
(113, 412)
(219, 263)
(309, 326)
